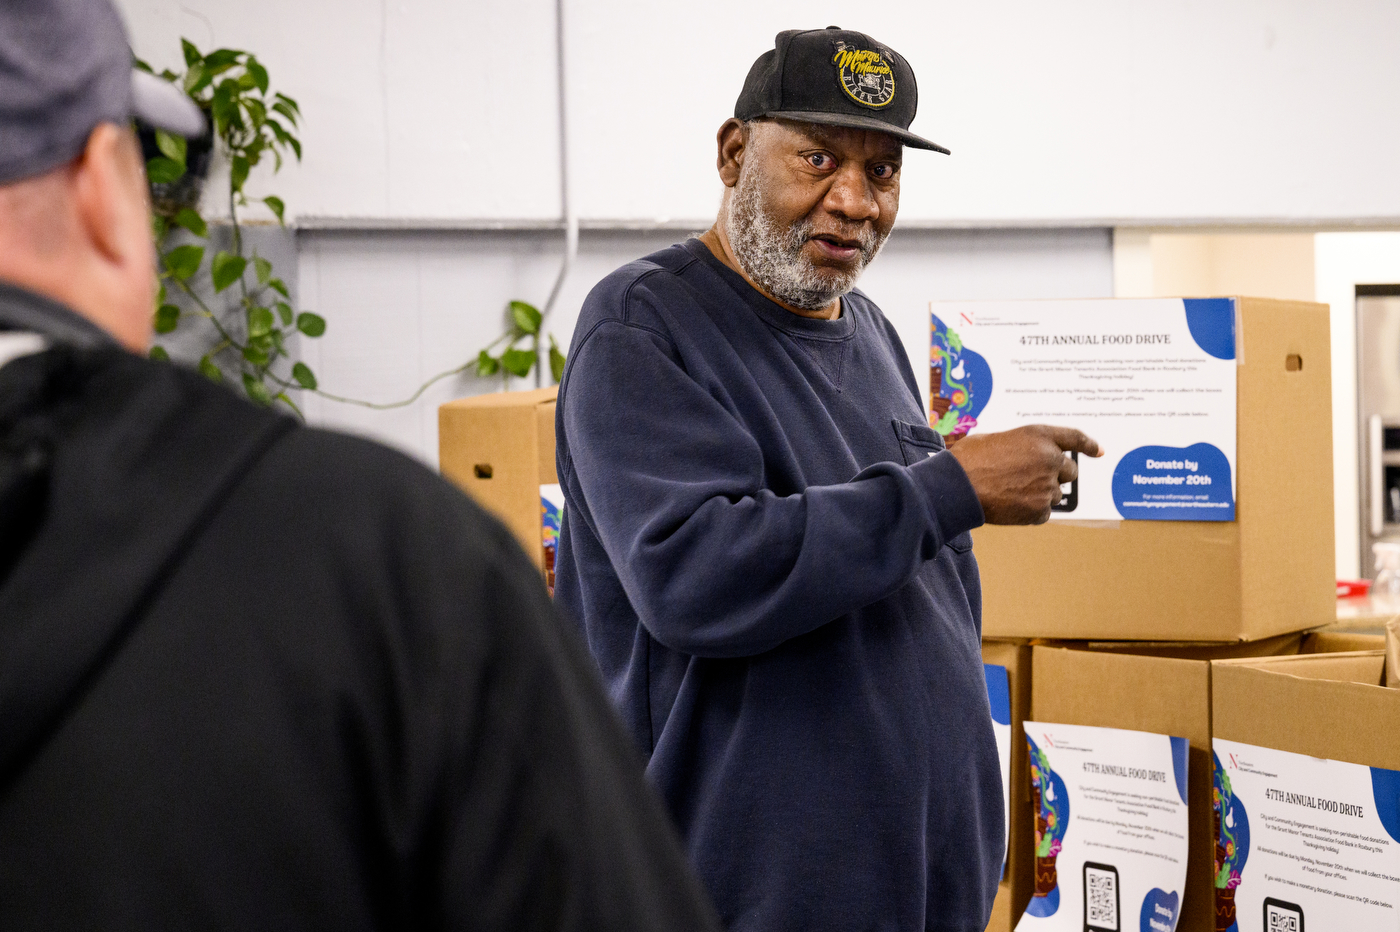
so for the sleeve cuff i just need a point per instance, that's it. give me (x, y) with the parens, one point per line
(951, 497)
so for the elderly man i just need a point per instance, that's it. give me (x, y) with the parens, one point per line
(255, 676)
(767, 546)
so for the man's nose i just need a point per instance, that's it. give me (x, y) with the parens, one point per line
(851, 196)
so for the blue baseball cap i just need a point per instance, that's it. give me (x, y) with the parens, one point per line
(65, 67)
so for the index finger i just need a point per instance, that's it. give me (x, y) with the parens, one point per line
(1075, 441)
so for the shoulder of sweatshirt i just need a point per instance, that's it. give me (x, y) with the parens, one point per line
(638, 292)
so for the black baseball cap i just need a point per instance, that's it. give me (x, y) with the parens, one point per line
(65, 67)
(836, 77)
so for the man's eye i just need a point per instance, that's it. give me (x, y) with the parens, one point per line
(819, 160)
(884, 172)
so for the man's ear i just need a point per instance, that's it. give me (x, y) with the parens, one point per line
(103, 191)
(733, 140)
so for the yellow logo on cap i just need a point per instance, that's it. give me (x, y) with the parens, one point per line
(865, 76)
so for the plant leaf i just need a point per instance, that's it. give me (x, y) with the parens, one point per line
(160, 295)
(284, 99)
(226, 269)
(486, 364)
(279, 286)
(184, 261)
(191, 53)
(258, 72)
(167, 318)
(556, 360)
(263, 269)
(284, 311)
(304, 376)
(253, 151)
(313, 325)
(256, 389)
(257, 113)
(282, 397)
(526, 316)
(192, 221)
(296, 146)
(157, 228)
(172, 146)
(222, 58)
(238, 173)
(198, 78)
(255, 355)
(518, 362)
(260, 322)
(275, 205)
(210, 371)
(159, 354)
(223, 106)
(286, 111)
(161, 170)
(193, 77)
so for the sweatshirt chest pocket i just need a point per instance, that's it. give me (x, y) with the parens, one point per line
(919, 442)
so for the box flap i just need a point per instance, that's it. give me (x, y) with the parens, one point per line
(1345, 721)
(1361, 666)
(1192, 650)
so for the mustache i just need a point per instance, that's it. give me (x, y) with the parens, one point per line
(862, 235)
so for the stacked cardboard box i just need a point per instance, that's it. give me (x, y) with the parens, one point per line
(1123, 620)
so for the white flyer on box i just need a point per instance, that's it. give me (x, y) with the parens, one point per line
(1110, 829)
(1303, 843)
(1152, 380)
(999, 697)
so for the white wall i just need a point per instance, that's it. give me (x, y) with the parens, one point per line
(1085, 111)
(404, 306)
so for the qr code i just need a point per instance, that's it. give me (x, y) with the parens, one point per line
(1101, 898)
(1282, 919)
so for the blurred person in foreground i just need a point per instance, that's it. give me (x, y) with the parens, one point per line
(252, 675)
(766, 544)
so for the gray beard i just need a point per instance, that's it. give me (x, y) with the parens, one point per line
(772, 256)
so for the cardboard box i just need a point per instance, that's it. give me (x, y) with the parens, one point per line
(1163, 688)
(1331, 706)
(1328, 705)
(500, 449)
(1270, 571)
(1015, 889)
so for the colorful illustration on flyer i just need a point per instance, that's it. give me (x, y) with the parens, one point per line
(550, 516)
(1050, 800)
(960, 383)
(1231, 846)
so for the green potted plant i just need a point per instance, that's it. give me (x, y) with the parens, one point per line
(248, 123)
(232, 295)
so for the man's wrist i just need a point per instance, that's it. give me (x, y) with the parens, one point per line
(952, 499)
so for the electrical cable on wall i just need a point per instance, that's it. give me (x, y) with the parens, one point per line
(566, 205)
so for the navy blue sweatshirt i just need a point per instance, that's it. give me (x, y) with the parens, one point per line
(766, 547)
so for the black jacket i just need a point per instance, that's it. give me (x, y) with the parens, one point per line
(258, 676)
